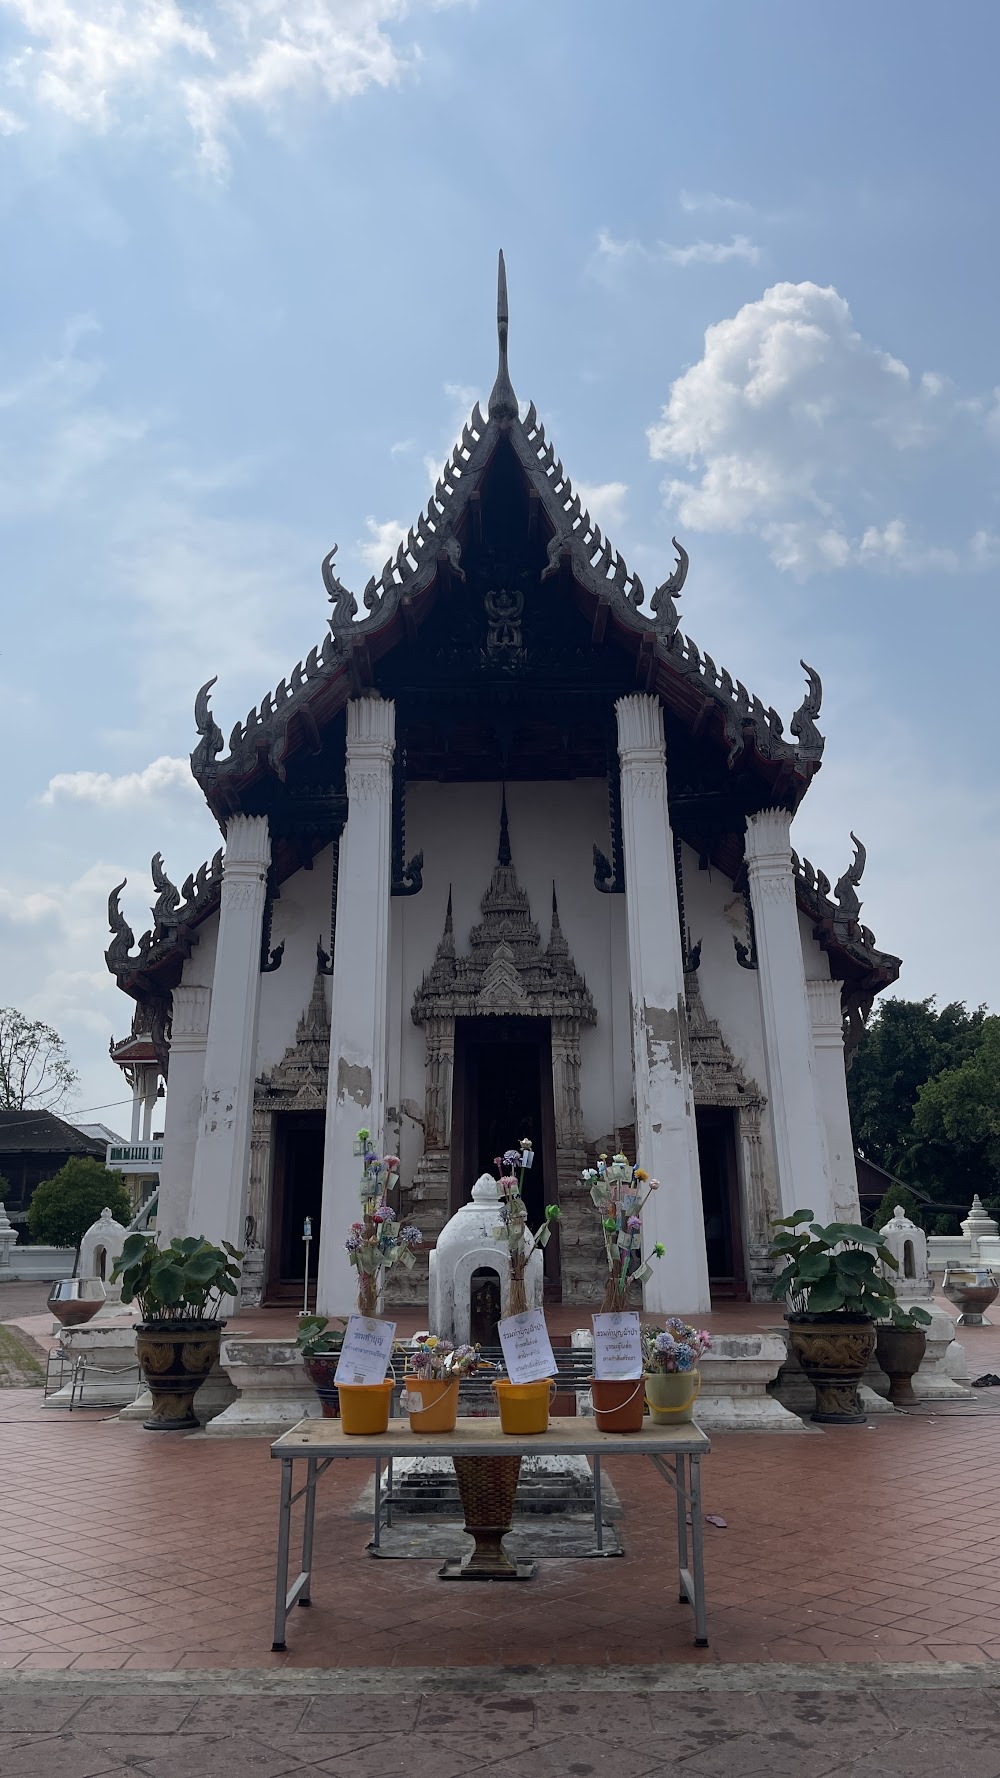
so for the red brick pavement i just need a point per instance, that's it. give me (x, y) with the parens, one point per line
(128, 1549)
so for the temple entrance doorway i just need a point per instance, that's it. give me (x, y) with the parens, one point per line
(296, 1192)
(720, 1196)
(502, 1091)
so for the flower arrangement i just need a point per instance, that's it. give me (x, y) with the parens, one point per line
(677, 1347)
(617, 1189)
(436, 1360)
(379, 1241)
(513, 1225)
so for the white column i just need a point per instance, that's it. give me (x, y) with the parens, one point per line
(356, 1090)
(150, 1082)
(799, 1136)
(831, 1083)
(222, 1154)
(137, 1075)
(666, 1136)
(188, 1037)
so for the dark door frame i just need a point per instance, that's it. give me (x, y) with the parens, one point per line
(469, 1033)
(735, 1286)
(278, 1287)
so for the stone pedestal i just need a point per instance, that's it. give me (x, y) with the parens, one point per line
(666, 1137)
(112, 1376)
(271, 1386)
(356, 1091)
(735, 1375)
(800, 1148)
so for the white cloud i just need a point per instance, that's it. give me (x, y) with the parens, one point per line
(102, 64)
(605, 501)
(610, 247)
(789, 420)
(10, 125)
(163, 776)
(383, 541)
(710, 201)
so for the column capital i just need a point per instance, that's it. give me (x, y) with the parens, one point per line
(190, 1008)
(825, 1011)
(371, 726)
(640, 728)
(248, 842)
(769, 837)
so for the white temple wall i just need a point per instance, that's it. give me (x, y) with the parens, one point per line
(301, 915)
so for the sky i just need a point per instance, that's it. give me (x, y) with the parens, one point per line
(247, 299)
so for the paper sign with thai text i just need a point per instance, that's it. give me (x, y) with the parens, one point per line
(617, 1348)
(367, 1348)
(527, 1352)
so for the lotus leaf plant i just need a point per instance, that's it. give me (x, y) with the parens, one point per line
(186, 1281)
(837, 1268)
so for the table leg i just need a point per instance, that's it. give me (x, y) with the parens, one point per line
(598, 1507)
(284, 1537)
(681, 1493)
(698, 1563)
(308, 1526)
(377, 1538)
(388, 1495)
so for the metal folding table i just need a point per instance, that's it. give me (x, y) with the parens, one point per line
(674, 1451)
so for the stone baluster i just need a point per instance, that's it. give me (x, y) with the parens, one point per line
(222, 1154)
(666, 1137)
(356, 1091)
(801, 1160)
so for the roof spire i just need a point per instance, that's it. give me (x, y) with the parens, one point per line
(503, 401)
(503, 850)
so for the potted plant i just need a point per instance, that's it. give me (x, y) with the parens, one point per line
(434, 1369)
(834, 1282)
(320, 1342)
(180, 1290)
(670, 1359)
(616, 1187)
(513, 1225)
(899, 1347)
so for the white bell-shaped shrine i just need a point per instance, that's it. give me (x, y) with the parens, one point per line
(99, 1249)
(468, 1255)
(908, 1245)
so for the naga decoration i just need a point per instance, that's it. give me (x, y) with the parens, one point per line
(503, 401)
(211, 743)
(117, 956)
(168, 896)
(803, 724)
(345, 605)
(662, 604)
(846, 890)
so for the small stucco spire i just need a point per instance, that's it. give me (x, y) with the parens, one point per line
(503, 401)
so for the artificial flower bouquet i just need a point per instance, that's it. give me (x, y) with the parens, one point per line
(436, 1360)
(675, 1347)
(621, 1192)
(512, 1227)
(379, 1241)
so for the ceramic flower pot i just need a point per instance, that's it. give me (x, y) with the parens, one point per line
(321, 1369)
(176, 1357)
(619, 1403)
(432, 1404)
(900, 1352)
(671, 1396)
(834, 1352)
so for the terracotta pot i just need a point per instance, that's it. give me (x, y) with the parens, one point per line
(671, 1396)
(321, 1369)
(900, 1352)
(834, 1352)
(619, 1403)
(176, 1357)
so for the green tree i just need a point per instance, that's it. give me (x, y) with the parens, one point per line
(898, 1194)
(908, 1043)
(956, 1123)
(62, 1208)
(35, 1070)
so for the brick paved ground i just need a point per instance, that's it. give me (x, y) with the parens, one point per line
(864, 1729)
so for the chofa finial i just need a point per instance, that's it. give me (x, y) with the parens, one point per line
(503, 401)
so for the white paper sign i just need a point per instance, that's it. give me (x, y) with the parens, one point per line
(527, 1352)
(367, 1348)
(617, 1347)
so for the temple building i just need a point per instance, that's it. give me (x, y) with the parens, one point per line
(506, 856)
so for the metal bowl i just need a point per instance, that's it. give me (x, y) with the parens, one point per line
(76, 1300)
(972, 1289)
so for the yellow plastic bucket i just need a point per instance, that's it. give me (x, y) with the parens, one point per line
(438, 1400)
(524, 1407)
(671, 1396)
(364, 1407)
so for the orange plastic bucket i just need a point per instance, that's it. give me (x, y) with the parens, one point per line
(619, 1403)
(438, 1400)
(364, 1407)
(524, 1407)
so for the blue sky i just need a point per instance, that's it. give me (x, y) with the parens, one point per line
(247, 293)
